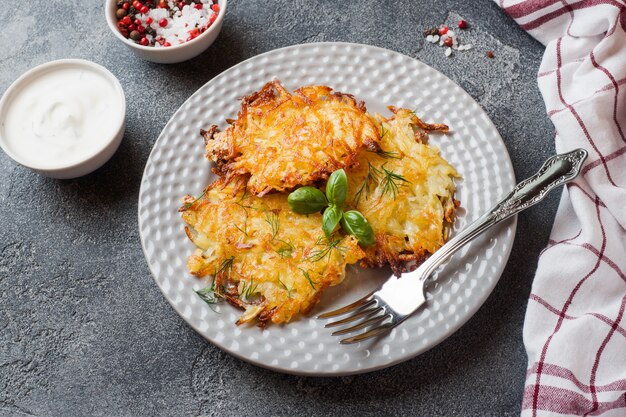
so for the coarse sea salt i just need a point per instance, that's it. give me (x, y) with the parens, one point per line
(182, 25)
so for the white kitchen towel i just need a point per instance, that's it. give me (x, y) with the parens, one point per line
(575, 330)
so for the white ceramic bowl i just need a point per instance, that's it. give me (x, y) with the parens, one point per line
(101, 152)
(171, 54)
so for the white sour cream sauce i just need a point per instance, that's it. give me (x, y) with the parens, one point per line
(62, 117)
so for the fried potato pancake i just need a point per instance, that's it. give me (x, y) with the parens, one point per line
(282, 140)
(405, 190)
(265, 259)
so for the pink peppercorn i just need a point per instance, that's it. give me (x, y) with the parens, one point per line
(163, 22)
(193, 33)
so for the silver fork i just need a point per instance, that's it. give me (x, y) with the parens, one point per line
(382, 310)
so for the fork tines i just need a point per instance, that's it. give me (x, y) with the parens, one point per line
(369, 310)
(348, 308)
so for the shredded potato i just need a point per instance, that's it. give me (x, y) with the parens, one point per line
(405, 190)
(282, 140)
(269, 261)
(275, 264)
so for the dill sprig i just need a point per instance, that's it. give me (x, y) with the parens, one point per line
(383, 131)
(188, 205)
(308, 278)
(226, 266)
(327, 247)
(371, 180)
(244, 229)
(388, 154)
(392, 181)
(285, 287)
(249, 289)
(245, 208)
(273, 220)
(209, 295)
(286, 249)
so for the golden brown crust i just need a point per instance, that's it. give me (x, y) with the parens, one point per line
(265, 259)
(436, 127)
(405, 191)
(380, 255)
(282, 140)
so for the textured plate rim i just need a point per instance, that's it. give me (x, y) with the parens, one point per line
(510, 223)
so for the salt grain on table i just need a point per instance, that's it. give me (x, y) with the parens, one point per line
(447, 38)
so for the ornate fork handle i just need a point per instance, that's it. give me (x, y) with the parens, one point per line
(557, 170)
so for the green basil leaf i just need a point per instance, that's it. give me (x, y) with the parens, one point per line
(330, 219)
(337, 187)
(355, 224)
(307, 200)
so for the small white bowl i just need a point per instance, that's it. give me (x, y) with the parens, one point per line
(171, 54)
(94, 158)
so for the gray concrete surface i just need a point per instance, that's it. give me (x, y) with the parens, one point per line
(85, 331)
